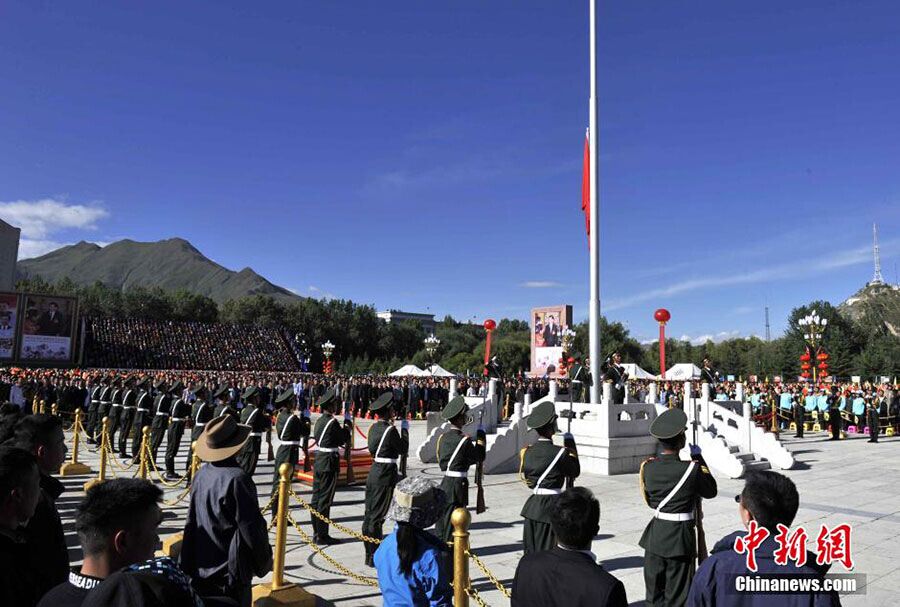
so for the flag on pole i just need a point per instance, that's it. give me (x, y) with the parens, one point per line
(586, 185)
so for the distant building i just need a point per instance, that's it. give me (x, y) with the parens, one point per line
(9, 251)
(426, 320)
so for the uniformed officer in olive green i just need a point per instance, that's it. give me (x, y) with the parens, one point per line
(544, 467)
(180, 414)
(162, 411)
(105, 405)
(222, 397)
(290, 427)
(254, 416)
(143, 416)
(128, 413)
(580, 373)
(115, 411)
(330, 437)
(386, 444)
(201, 414)
(456, 453)
(673, 488)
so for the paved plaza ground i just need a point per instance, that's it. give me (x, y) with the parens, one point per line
(847, 482)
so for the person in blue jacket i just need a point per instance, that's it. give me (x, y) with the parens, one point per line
(770, 499)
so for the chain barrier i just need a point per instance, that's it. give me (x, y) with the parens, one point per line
(115, 459)
(347, 572)
(159, 477)
(178, 499)
(265, 508)
(490, 576)
(473, 594)
(336, 525)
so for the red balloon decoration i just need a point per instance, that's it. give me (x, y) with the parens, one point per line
(490, 324)
(662, 315)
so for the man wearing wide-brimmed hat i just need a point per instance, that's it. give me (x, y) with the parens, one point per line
(387, 445)
(410, 561)
(456, 453)
(330, 438)
(226, 542)
(544, 467)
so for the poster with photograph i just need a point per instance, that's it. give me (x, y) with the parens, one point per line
(8, 307)
(547, 325)
(48, 323)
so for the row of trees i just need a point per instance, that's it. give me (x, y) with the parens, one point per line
(364, 343)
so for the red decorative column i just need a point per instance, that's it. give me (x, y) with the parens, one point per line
(662, 316)
(489, 326)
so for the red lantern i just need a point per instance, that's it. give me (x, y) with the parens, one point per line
(805, 374)
(806, 366)
(662, 315)
(823, 365)
(823, 356)
(490, 324)
(805, 357)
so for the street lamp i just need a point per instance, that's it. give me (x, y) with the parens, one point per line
(813, 327)
(432, 344)
(328, 350)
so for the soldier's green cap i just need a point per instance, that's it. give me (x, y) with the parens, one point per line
(159, 385)
(456, 406)
(176, 387)
(143, 382)
(541, 415)
(668, 424)
(382, 401)
(250, 392)
(327, 398)
(285, 396)
(220, 391)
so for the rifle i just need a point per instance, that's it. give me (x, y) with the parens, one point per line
(702, 552)
(401, 468)
(479, 476)
(348, 454)
(305, 444)
(270, 456)
(570, 482)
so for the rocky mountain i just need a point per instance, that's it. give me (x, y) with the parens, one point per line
(876, 307)
(171, 264)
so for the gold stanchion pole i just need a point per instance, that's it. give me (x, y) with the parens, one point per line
(74, 467)
(774, 417)
(101, 473)
(145, 451)
(54, 410)
(277, 592)
(195, 460)
(460, 519)
(43, 407)
(35, 405)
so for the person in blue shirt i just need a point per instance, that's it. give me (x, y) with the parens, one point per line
(410, 562)
(770, 499)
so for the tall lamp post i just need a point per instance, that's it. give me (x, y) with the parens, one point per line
(432, 344)
(489, 325)
(813, 331)
(662, 316)
(328, 351)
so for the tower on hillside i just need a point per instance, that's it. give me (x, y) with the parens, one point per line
(877, 278)
(768, 332)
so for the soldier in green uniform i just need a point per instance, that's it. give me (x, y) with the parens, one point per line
(673, 489)
(330, 437)
(128, 413)
(290, 426)
(386, 445)
(162, 411)
(104, 407)
(581, 381)
(180, 414)
(223, 403)
(456, 453)
(544, 467)
(115, 411)
(253, 415)
(142, 416)
(201, 414)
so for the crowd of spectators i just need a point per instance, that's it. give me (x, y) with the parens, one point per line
(133, 343)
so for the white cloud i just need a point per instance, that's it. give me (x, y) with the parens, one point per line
(41, 220)
(699, 340)
(743, 310)
(540, 284)
(313, 289)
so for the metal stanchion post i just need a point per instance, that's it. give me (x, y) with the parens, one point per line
(101, 473)
(460, 519)
(43, 407)
(54, 410)
(195, 461)
(74, 467)
(277, 592)
(145, 451)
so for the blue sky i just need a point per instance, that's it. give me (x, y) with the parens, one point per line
(427, 155)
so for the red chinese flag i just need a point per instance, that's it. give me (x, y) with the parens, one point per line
(586, 185)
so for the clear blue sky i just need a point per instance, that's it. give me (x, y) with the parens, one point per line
(427, 155)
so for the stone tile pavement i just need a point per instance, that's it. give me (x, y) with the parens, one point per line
(850, 481)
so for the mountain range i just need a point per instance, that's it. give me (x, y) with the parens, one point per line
(171, 264)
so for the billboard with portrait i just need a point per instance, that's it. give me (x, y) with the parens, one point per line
(8, 307)
(48, 327)
(547, 325)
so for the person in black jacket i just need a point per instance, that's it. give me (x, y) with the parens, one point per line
(568, 574)
(20, 492)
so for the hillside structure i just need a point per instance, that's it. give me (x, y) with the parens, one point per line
(9, 251)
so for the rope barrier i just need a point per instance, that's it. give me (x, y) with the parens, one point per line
(336, 525)
(490, 576)
(347, 572)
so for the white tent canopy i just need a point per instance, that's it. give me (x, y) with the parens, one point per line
(408, 370)
(682, 372)
(636, 372)
(436, 370)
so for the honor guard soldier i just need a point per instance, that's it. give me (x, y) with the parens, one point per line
(291, 427)
(614, 373)
(329, 437)
(872, 421)
(581, 381)
(386, 445)
(115, 411)
(708, 375)
(201, 414)
(456, 453)
(799, 413)
(673, 489)
(162, 411)
(127, 419)
(143, 416)
(179, 416)
(93, 409)
(223, 403)
(103, 408)
(834, 413)
(253, 415)
(544, 467)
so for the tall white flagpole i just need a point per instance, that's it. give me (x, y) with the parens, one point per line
(594, 318)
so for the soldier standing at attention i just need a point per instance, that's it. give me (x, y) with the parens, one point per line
(90, 422)
(254, 416)
(162, 411)
(201, 414)
(386, 445)
(104, 407)
(834, 414)
(708, 375)
(291, 427)
(799, 414)
(223, 405)
(673, 488)
(872, 421)
(456, 453)
(330, 437)
(545, 467)
(142, 416)
(115, 412)
(615, 374)
(127, 419)
(180, 413)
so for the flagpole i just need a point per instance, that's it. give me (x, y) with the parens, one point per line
(594, 306)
